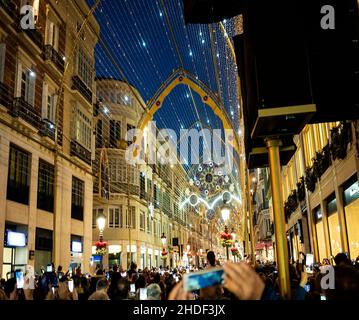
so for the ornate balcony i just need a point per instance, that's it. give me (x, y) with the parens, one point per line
(26, 111)
(5, 97)
(48, 129)
(79, 151)
(51, 54)
(80, 86)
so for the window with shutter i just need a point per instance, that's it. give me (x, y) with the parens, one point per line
(45, 88)
(31, 91)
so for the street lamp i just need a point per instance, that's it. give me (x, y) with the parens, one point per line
(101, 222)
(225, 211)
(163, 239)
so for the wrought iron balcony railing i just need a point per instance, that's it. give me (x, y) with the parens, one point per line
(79, 151)
(48, 129)
(51, 54)
(26, 111)
(80, 86)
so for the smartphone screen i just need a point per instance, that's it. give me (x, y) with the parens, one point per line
(202, 279)
(133, 288)
(323, 297)
(49, 268)
(307, 287)
(123, 274)
(309, 261)
(19, 279)
(143, 293)
(70, 283)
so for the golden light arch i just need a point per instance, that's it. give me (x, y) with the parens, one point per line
(183, 77)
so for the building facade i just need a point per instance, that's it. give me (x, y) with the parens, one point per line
(141, 203)
(262, 222)
(46, 134)
(321, 193)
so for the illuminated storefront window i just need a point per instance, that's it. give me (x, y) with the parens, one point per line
(351, 203)
(333, 223)
(320, 233)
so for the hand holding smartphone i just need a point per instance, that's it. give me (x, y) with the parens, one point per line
(309, 262)
(70, 284)
(19, 279)
(202, 279)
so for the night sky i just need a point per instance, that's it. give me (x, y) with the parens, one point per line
(138, 35)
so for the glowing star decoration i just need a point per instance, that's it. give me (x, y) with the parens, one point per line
(187, 192)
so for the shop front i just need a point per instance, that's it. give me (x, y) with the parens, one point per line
(43, 249)
(15, 254)
(114, 255)
(76, 249)
(319, 226)
(333, 224)
(351, 208)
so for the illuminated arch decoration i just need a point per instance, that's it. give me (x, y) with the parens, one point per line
(195, 200)
(183, 77)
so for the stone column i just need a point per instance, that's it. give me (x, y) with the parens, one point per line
(87, 231)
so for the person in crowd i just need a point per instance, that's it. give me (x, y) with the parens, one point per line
(2, 283)
(119, 290)
(60, 273)
(101, 290)
(356, 264)
(346, 283)
(153, 292)
(342, 258)
(133, 270)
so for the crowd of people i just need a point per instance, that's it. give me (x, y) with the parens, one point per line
(242, 281)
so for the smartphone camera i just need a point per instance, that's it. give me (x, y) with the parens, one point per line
(70, 284)
(19, 279)
(143, 293)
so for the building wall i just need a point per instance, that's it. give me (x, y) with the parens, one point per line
(20, 131)
(318, 238)
(123, 104)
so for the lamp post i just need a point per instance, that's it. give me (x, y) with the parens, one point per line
(225, 211)
(101, 222)
(164, 240)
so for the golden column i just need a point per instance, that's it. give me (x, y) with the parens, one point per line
(273, 145)
(250, 213)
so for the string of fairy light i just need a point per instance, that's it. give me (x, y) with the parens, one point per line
(140, 73)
